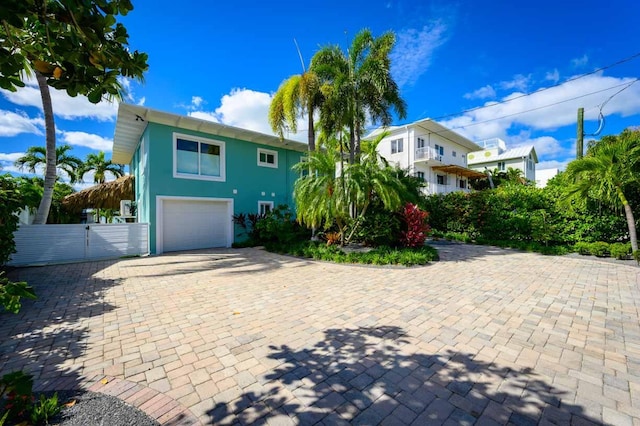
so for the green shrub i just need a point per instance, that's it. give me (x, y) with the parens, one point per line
(45, 409)
(636, 256)
(583, 248)
(600, 249)
(378, 256)
(620, 250)
(11, 203)
(11, 293)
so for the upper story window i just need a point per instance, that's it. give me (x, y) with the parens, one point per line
(198, 158)
(439, 151)
(530, 163)
(397, 146)
(420, 143)
(501, 166)
(454, 153)
(267, 158)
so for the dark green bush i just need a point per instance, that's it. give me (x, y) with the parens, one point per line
(600, 249)
(583, 248)
(620, 250)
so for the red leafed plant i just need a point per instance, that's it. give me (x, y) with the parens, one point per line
(417, 227)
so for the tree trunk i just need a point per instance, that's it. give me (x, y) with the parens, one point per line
(50, 168)
(311, 133)
(352, 145)
(631, 221)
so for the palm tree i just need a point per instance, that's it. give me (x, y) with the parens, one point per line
(358, 85)
(608, 170)
(101, 167)
(37, 155)
(296, 96)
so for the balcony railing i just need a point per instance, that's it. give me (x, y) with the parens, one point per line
(427, 153)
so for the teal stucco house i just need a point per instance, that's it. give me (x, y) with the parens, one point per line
(193, 175)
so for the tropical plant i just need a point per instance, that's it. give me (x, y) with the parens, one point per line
(37, 156)
(100, 166)
(74, 46)
(11, 203)
(357, 86)
(296, 96)
(607, 172)
(417, 227)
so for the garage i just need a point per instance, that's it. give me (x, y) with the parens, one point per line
(189, 224)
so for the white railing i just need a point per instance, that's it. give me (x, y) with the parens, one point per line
(427, 153)
(434, 188)
(49, 244)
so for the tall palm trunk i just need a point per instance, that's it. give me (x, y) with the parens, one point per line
(50, 170)
(631, 222)
(311, 132)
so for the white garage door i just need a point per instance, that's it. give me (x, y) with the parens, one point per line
(191, 224)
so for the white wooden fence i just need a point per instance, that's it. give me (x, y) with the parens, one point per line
(47, 244)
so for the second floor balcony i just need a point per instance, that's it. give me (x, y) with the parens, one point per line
(428, 154)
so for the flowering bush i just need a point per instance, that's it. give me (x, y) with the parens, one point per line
(417, 227)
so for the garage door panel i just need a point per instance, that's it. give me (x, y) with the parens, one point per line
(191, 224)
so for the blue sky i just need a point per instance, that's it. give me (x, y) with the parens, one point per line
(224, 61)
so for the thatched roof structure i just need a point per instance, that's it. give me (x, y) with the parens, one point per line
(103, 196)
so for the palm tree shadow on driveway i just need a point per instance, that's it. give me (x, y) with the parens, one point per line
(367, 376)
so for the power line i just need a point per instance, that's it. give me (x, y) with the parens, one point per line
(621, 61)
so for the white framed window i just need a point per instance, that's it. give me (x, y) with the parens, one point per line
(420, 175)
(267, 158)
(420, 143)
(441, 179)
(439, 151)
(530, 163)
(265, 207)
(397, 146)
(453, 153)
(463, 184)
(198, 158)
(501, 166)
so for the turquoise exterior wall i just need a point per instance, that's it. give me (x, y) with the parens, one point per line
(242, 174)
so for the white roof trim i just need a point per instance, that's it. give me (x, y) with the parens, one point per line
(133, 119)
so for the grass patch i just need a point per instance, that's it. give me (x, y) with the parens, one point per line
(376, 256)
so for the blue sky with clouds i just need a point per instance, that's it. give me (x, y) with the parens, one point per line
(224, 61)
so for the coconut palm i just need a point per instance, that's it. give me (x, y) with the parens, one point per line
(100, 166)
(37, 156)
(607, 172)
(358, 85)
(296, 96)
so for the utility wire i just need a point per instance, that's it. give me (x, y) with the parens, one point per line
(621, 61)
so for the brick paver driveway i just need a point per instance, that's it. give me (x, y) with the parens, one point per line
(485, 335)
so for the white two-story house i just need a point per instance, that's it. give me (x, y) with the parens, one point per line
(495, 155)
(431, 152)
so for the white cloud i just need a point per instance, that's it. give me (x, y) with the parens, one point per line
(485, 92)
(12, 124)
(581, 61)
(88, 140)
(553, 76)
(12, 157)
(196, 101)
(544, 145)
(520, 82)
(247, 109)
(414, 48)
(552, 164)
(141, 101)
(549, 109)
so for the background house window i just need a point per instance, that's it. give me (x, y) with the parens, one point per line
(265, 207)
(463, 184)
(439, 152)
(501, 166)
(199, 158)
(267, 158)
(454, 153)
(530, 163)
(441, 179)
(420, 143)
(397, 146)
(420, 175)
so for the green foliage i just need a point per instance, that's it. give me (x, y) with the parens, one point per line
(620, 251)
(78, 46)
(17, 396)
(378, 256)
(45, 409)
(11, 203)
(599, 248)
(19, 403)
(100, 167)
(582, 247)
(37, 156)
(279, 226)
(11, 293)
(636, 256)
